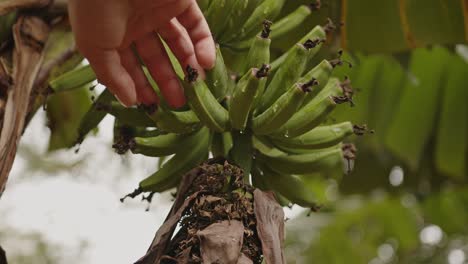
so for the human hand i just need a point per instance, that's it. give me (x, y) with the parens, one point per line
(105, 30)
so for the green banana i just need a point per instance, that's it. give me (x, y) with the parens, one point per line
(287, 74)
(268, 10)
(129, 116)
(217, 79)
(241, 12)
(259, 52)
(121, 135)
(162, 145)
(204, 5)
(174, 121)
(221, 144)
(293, 20)
(171, 172)
(144, 132)
(210, 112)
(259, 181)
(319, 137)
(244, 96)
(317, 160)
(217, 13)
(290, 186)
(317, 35)
(321, 73)
(93, 117)
(73, 79)
(315, 112)
(285, 107)
(264, 145)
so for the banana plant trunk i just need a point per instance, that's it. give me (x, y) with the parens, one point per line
(222, 219)
(3, 259)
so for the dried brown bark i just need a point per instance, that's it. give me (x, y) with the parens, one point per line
(163, 235)
(12, 5)
(29, 33)
(270, 226)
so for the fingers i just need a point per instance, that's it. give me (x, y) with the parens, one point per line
(156, 59)
(110, 72)
(144, 91)
(180, 44)
(197, 27)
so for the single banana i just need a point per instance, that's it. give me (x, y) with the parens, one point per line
(217, 14)
(221, 144)
(285, 107)
(259, 52)
(319, 137)
(317, 160)
(162, 145)
(173, 170)
(174, 121)
(217, 79)
(129, 116)
(93, 117)
(210, 112)
(317, 34)
(73, 79)
(268, 10)
(259, 181)
(204, 5)
(293, 20)
(290, 186)
(244, 96)
(241, 12)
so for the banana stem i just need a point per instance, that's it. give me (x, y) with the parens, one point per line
(242, 151)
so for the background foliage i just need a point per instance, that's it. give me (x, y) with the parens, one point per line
(406, 201)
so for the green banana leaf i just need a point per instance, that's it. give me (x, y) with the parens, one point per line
(419, 114)
(389, 26)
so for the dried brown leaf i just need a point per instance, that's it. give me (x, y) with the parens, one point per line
(29, 33)
(270, 226)
(221, 242)
(164, 234)
(184, 256)
(243, 259)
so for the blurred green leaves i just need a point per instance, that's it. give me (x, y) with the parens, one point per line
(392, 26)
(415, 118)
(354, 233)
(419, 110)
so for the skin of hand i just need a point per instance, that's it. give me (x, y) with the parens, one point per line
(105, 31)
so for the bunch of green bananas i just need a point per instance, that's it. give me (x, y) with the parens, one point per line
(268, 120)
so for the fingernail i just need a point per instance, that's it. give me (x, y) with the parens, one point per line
(121, 101)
